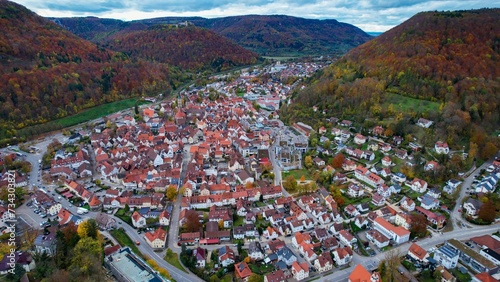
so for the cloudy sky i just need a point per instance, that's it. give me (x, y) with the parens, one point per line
(369, 15)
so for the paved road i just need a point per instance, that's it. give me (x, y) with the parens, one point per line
(173, 231)
(457, 216)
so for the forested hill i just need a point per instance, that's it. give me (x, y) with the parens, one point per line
(266, 35)
(443, 66)
(47, 72)
(187, 47)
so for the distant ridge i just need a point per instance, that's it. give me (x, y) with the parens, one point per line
(266, 35)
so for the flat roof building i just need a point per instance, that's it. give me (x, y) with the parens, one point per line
(127, 267)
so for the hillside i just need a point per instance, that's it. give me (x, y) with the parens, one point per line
(47, 72)
(266, 35)
(186, 47)
(439, 65)
(274, 35)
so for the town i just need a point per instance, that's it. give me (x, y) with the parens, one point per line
(213, 186)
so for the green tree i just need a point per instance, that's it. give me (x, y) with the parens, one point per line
(16, 276)
(256, 278)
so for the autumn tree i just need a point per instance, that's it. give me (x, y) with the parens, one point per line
(86, 260)
(418, 225)
(88, 228)
(338, 160)
(171, 193)
(290, 183)
(389, 266)
(487, 212)
(489, 150)
(308, 162)
(192, 221)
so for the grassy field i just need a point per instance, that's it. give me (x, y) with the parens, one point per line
(298, 174)
(406, 104)
(86, 115)
(173, 259)
(125, 240)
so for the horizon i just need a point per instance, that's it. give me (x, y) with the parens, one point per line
(368, 15)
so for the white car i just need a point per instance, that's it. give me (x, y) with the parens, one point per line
(490, 168)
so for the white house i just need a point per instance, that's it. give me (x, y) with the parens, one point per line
(300, 271)
(397, 233)
(441, 147)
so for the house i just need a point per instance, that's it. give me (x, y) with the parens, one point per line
(377, 238)
(23, 259)
(396, 233)
(336, 228)
(300, 271)
(275, 276)
(164, 218)
(360, 221)
(270, 233)
(255, 251)
(285, 254)
(347, 239)
(469, 257)
(428, 202)
(138, 221)
(441, 147)
(105, 222)
(422, 122)
(434, 192)
(386, 161)
(403, 219)
(242, 270)
(472, 206)
(156, 239)
(360, 139)
(342, 255)
(417, 253)
(433, 218)
(324, 262)
(431, 165)
(351, 211)
(407, 204)
(226, 256)
(446, 276)
(360, 274)
(319, 162)
(329, 244)
(447, 256)
(354, 190)
(483, 277)
(418, 185)
(398, 177)
(378, 200)
(238, 232)
(200, 257)
(299, 237)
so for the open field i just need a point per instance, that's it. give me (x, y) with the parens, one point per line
(125, 240)
(173, 259)
(86, 115)
(406, 104)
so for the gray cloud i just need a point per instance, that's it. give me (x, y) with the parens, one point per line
(369, 15)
